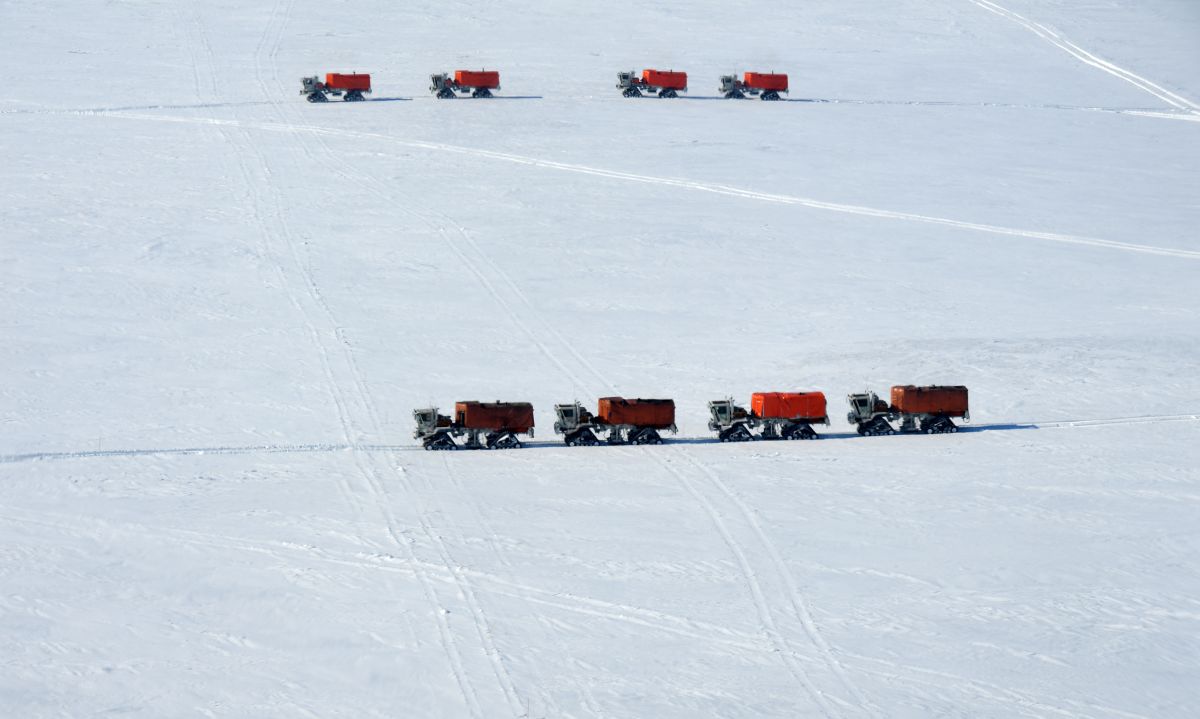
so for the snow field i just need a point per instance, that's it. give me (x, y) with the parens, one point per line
(222, 304)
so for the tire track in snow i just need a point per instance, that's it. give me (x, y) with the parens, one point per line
(761, 606)
(478, 263)
(713, 188)
(275, 231)
(533, 312)
(378, 487)
(785, 651)
(549, 706)
(280, 232)
(799, 605)
(757, 594)
(236, 139)
(468, 259)
(1022, 699)
(1173, 99)
(285, 553)
(755, 586)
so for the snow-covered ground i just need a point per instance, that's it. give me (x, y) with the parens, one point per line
(220, 305)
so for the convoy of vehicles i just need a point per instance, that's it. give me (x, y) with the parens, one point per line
(772, 415)
(481, 83)
(929, 409)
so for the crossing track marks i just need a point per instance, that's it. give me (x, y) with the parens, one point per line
(713, 188)
(287, 554)
(477, 262)
(799, 605)
(1052, 37)
(1139, 111)
(1023, 703)
(464, 499)
(374, 469)
(205, 60)
(268, 215)
(761, 605)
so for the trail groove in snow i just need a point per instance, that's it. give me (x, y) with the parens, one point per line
(794, 595)
(713, 188)
(1173, 99)
(359, 397)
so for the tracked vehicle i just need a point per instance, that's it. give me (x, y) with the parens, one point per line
(619, 421)
(350, 88)
(666, 83)
(929, 409)
(772, 415)
(486, 425)
(476, 83)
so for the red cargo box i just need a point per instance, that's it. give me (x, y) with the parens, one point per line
(807, 406)
(950, 401)
(766, 81)
(354, 81)
(516, 417)
(489, 79)
(666, 79)
(653, 413)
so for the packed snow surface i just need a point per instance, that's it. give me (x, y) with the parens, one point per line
(221, 304)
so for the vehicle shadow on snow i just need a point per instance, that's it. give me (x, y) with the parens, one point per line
(996, 427)
(690, 441)
(721, 98)
(330, 448)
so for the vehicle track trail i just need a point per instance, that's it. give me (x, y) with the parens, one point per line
(479, 264)
(372, 186)
(280, 247)
(1054, 38)
(84, 528)
(751, 576)
(698, 186)
(795, 596)
(1027, 702)
(374, 469)
(549, 707)
(788, 655)
(754, 585)
(238, 141)
(287, 553)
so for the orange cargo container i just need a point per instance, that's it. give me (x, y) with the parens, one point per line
(652, 413)
(516, 417)
(806, 406)
(666, 79)
(949, 401)
(354, 81)
(766, 81)
(489, 79)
